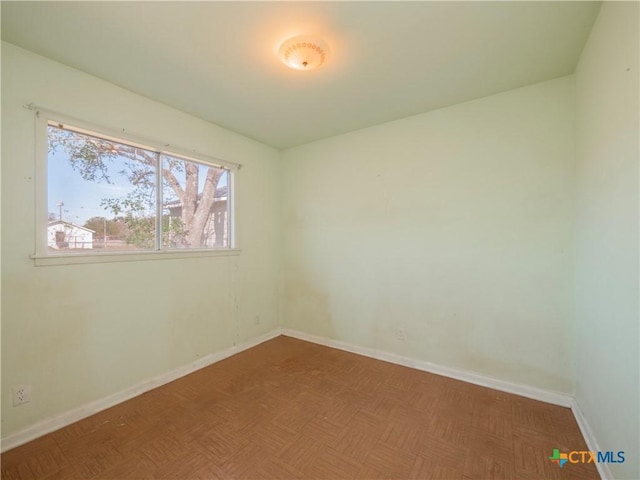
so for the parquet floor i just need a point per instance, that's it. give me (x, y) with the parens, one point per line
(292, 409)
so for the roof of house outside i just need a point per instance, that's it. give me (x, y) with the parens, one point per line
(57, 222)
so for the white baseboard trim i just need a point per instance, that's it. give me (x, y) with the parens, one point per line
(62, 420)
(548, 396)
(590, 439)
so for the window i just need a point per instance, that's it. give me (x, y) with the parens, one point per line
(111, 195)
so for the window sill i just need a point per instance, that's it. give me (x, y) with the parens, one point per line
(112, 257)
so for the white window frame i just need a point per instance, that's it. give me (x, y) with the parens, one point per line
(42, 257)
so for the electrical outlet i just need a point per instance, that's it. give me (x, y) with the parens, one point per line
(401, 334)
(257, 319)
(21, 394)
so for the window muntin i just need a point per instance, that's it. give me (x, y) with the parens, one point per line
(109, 195)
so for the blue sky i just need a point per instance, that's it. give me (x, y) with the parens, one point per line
(81, 198)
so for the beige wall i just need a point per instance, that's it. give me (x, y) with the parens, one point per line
(607, 333)
(455, 225)
(81, 332)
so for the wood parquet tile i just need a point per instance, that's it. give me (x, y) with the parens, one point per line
(289, 409)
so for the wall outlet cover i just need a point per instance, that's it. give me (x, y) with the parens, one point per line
(401, 334)
(21, 394)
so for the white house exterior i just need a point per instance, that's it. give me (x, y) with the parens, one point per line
(65, 235)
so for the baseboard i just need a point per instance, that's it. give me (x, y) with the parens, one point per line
(54, 423)
(555, 398)
(590, 439)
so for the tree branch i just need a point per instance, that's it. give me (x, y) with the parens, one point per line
(173, 183)
(133, 153)
(203, 210)
(209, 191)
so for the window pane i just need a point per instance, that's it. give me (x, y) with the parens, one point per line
(195, 204)
(101, 194)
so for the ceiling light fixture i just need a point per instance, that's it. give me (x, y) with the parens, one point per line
(303, 53)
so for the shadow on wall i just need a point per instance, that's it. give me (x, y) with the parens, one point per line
(307, 308)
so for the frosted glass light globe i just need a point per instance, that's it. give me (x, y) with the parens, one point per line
(303, 53)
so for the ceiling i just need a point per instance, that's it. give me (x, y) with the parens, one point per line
(217, 60)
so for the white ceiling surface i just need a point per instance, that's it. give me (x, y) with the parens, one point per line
(217, 60)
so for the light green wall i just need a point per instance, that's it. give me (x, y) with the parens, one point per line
(607, 335)
(455, 225)
(79, 333)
